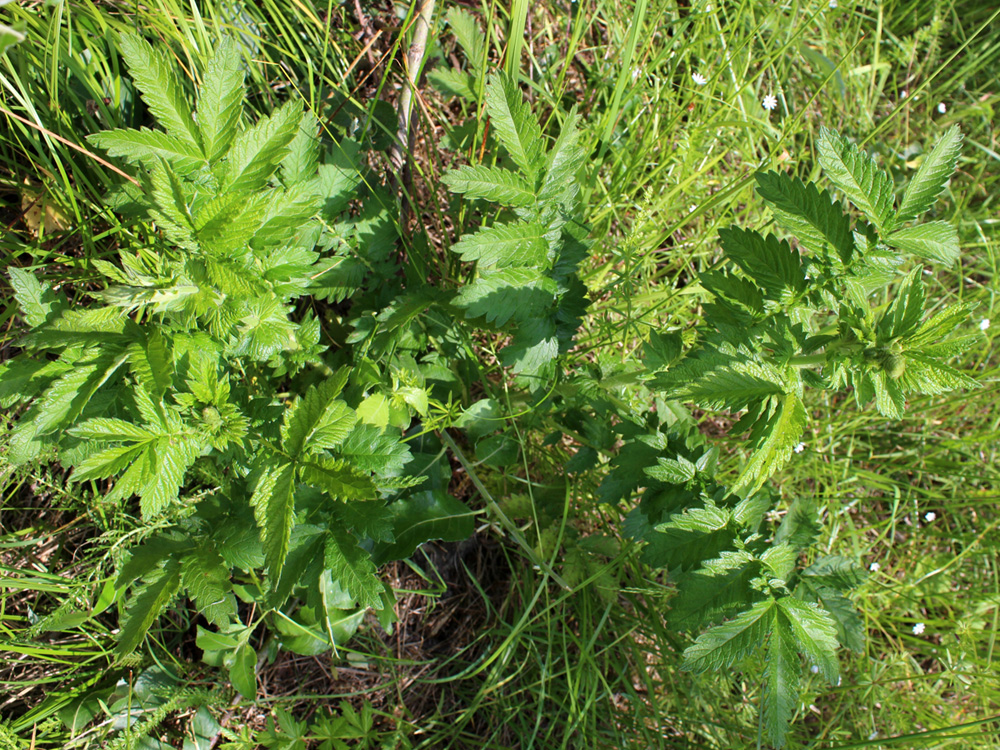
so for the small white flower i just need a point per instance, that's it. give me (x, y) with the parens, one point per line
(635, 74)
(769, 102)
(984, 324)
(874, 567)
(903, 94)
(942, 108)
(800, 447)
(699, 79)
(918, 629)
(814, 669)
(929, 516)
(833, 4)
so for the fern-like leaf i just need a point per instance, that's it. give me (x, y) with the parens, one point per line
(519, 293)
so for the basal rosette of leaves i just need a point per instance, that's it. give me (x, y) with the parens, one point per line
(834, 308)
(197, 382)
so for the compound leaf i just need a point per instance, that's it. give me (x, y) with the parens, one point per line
(353, 567)
(220, 99)
(505, 245)
(936, 240)
(492, 184)
(513, 123)
(722, 646)
(933, 174)
(858, 175)
(273, 502)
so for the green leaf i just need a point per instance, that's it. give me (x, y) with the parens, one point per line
(243, 672)
(470, 38)
(936, 240)
(808, 212)
(172, 457)
(564, 161)
(171, 211)
(368, 448)
(273, 502)
(338, 479)
(771, 263)
(155, 75)
(514, 124)
(147, 147)
(505, 245)
(147, 605)
(858, 175)
(257, 151)
(220, 99)
(302, 160)
(783, 430)
(815, 633)
(37, 302)
(724, 645)
(318, 410)
(850, 628)
(906, 309)
(672, 470)
(500, 295)
(205, 575)
(353, 567)
(720, 588)
(422, 517)
(492, 184)
(733, 385)
(782, 672)
(454, 83)
(835, 571)
(151, 363)
(933, 174)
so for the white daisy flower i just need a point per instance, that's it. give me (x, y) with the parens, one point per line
(699, 79)
(769, 102)
(984, 324)
(919, 628)
(942, 108)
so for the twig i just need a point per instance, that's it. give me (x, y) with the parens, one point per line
(72, 145)
(414, 65)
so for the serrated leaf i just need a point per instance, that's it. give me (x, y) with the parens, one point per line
(808, 212)
(257, 151)
(733, 385)
(926, 374)
(109, 429)
(564, 160)
(906, 309)
(243, 672)
(453, 83)
(889, 397)
(367, 448)
(514, 124)
(858, 175)
(155, 75)
(338, 479)
(505, 245)
(724, 645)
(836, 572)
(800, 527)
(493, 184)
(782, 672)
(780, 559)
(535, 344)
(151, 363)
(500, 295)
(147, 147)
(672, 470)
(771, 263)
(205, 575)
(353, 568)
(850, 628)
(172, 456)
(815, 634)
(37, 301)
(422, 517)
(783, 430)
(220, 99)
(932, 175)
(936, 240)
(273, 502)
(719, 589)
(470, 38)
(302, 160)
(147, 605)
(317, 409)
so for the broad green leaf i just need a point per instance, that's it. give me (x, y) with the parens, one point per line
(454, 83)
(171, 211)
(936, 240)
(422, 517)
(724, 645)
(719, 589)
(492, 184)
(815, 634)
(111, 429)
(302, 160)
(243, 672)
(220, 99)
(147, 605)
(771, 263)
(205, 575)
(535, 344)
(835, 571)
(783, 430)
(353, 567)
(151, 363)
(172, 457)
(733, 385)
(273, 502)
(672, 470)
(782, 672)
(906, 309)
(367, 448)
(108, 462)
(257, 151)
(889, 398)
(932, 175)
(500, 295)
(779, 560)
(928, 375)
(858, 175)
(850, 628)
(147, 147)
(808, 212)
(514, 124)
(505, 245)
(470, 37)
